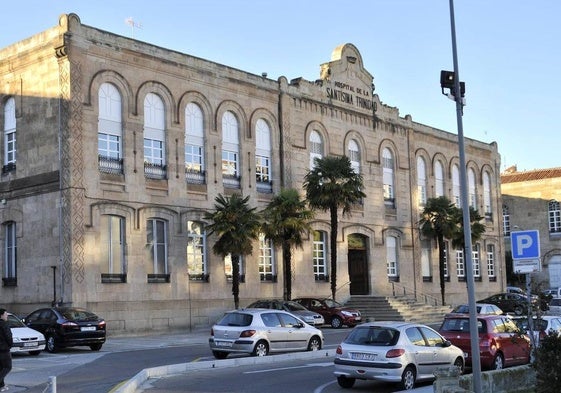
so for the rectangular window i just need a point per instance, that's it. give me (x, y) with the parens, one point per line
(10, 255)
(108, 146)
(320, 256)
(554, 217)
(229, 270)
(230, 170)
(391, 256)
(491, 260)
(154, 151)
(156, 241)
(262, 169)
(10, 149)
(460, 268)
(475, 261)
(266, 260)
(506, 223)
(196, 252)
(446, 271)
(193, 159)
(112, 250)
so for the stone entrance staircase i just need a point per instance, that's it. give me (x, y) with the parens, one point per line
(399, 308)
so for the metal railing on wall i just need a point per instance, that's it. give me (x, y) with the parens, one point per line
(401, 290)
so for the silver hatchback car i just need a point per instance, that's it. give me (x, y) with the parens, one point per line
(400, 352)
(260, 331)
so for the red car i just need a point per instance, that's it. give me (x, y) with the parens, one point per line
(334, 313)
(501, 342)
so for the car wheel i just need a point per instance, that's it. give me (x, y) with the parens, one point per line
(95, 347)
(498, 362)
(459, 362)
(51, 345)
(336, 323)
(220, 354)
(408, 378)
(345, 382)
(34, 353)
(314, 344)
(518, 310)
(261, 349)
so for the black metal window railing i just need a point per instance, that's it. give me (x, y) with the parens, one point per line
(155, 171)
(110, 165)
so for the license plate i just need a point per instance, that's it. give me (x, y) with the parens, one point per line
(88, 329)
(223, 343)
(358, 318)
(30, 344)
(363, 356)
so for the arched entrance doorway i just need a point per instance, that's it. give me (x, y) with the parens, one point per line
(358, 264)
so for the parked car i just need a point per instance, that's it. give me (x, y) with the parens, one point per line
(25, 339)
(553, 292)
(555, 306)
(541, 326)
(310, 317)
(333, 312)
(68, 327)
(515, 290)
(481, 308)
(511, 302)
(261, 331)
(501, 342)
(400, 352)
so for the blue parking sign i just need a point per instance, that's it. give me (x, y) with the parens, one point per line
(525, 244)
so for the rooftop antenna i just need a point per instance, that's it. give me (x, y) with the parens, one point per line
(130, 21)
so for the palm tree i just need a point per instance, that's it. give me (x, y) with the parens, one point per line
(331, 185)
(477, 228)
(285, 220)
(439, 222)
(237, 226)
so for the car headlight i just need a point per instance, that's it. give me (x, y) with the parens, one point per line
(16, 339)
(347, 313)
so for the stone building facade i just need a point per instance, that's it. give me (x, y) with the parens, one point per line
(114, 149)
(531, 201)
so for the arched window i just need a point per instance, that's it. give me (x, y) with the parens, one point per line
(154, 137)
(421, 181)
(438, 179)
(316, 148)
(10, 135)
(194, 144)
(456, 186)
(353, 152)
(472, 194)
(263, 156)
(109, 130)
(554, 217)
(9, 276)
(196, 252)
(230, 151)
(391, 258)
(388, 177)
(488, 206)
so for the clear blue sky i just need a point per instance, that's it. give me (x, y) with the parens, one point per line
(508, 51)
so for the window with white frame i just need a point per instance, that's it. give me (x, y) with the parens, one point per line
(10, 133)
(421, 181)
(109, 130)
(10, 254)
(157, 243)
(438, 179)
(426, 251)
(476, 261)
(320, 256)
(154, 137)
(229, 269)
(113, 244)
(391, 257)
(488, 206)
(491, 260)
(266, 259)
(194, 144)
(263, 156)
(446, 270)
(230, 151)
(506, 221)
(196, 251)
(471, 188)
(316, 148)
(388, 176)
(353, 152)
(554, 217)
(460, 267)
(456, 195)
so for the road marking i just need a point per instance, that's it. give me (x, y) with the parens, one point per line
(325, 364)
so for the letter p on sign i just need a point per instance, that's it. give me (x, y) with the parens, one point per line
(525, 244)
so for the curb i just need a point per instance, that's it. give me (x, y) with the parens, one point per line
(133, 384)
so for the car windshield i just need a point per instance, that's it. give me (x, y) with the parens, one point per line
(236, 319)
(332, 303)
(459, 325)
(14, 322)
(75, 314)
(293, 306)
(373, 335)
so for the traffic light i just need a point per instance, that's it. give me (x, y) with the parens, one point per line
(447, 81)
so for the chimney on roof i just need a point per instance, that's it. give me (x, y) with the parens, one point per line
(511, 169)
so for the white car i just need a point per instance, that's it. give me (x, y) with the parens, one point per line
(25, 339)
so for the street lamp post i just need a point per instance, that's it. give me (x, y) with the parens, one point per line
(452, 81)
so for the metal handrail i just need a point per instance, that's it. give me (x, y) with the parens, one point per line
(428, 299)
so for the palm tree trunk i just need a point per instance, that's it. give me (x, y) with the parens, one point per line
(236, 280)
(287, 270)
(333, 250)
(441, 257)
